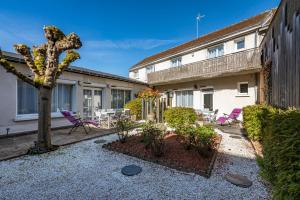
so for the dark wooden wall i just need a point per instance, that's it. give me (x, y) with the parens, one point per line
(281, 53)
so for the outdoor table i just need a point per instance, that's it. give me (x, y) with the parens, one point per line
(109, 114)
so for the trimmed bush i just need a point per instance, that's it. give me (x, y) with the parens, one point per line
(255, 119)
(279, 132)
(281, 148)
(204, 139)
(179, 117)
(135, 107)
(252, 121)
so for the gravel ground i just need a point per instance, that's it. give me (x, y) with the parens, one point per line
(86, 171)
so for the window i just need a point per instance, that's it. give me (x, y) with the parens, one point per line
(176, 62)
(184, 98)
(120, 98)
(240, 44)
(27, 98)
(136, 74)
(216, 51)
(243, 88)
(150, 69)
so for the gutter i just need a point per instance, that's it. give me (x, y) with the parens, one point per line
(17, 59)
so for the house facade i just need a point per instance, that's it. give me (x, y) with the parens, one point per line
(79, 90)
(220, 70)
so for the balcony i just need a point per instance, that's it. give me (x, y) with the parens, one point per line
(235, 63)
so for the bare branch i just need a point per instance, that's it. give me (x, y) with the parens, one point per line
(53, 34)
(71, 56)
(25, 52)
(11, 69)
(40, 56)
(71, 41)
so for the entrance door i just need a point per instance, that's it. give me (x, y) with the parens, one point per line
(208, 99)
(92, 102)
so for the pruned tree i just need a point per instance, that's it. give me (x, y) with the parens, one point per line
(43, 61)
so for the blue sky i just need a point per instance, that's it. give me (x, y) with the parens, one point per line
(118, 33)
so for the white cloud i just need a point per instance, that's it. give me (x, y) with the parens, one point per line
(144, 44)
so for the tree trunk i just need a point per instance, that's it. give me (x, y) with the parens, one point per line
(44, 122)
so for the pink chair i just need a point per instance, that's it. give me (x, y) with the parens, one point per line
(230, 118)
(78, 122)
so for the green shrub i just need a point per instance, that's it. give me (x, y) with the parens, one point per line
(205, 135)
(187, 133)
(124, 125)
(135, 107)
(252, 121)
(179, 117)
(255, 119)
(204, 139)
(281, 149)
(153, 137)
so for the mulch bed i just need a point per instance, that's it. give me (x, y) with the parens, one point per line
(175, 156)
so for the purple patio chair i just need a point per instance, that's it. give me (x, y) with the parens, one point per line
(78, 122)
(230, 118)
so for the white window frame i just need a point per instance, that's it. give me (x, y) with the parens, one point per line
(175, 97)
(150, 69)
(35, 116)
(209, 90)
(239, 89)
(176, 62)
(236, 43)
(215, 48)
(123, 90)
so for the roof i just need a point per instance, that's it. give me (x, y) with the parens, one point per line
(13, 57)
(243, 25)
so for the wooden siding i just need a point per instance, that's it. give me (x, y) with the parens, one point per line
(243, 61)
(281, 55)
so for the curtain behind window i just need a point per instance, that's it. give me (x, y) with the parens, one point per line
(120, 98)
(184, 98)
(28, 98)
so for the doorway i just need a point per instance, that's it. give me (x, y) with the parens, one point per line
(208, 95)
(92, 102)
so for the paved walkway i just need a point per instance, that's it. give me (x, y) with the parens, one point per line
(87, 171)
(15, 146)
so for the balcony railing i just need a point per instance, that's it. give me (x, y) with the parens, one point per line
(248, 60)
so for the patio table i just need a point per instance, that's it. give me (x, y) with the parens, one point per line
(109, 114)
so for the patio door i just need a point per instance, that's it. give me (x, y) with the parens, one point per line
(208, 95)
(92, 102)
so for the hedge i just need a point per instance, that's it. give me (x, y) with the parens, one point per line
(255, 119)
(279, 132)
(179, 116)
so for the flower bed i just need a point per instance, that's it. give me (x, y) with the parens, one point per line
(175, 155)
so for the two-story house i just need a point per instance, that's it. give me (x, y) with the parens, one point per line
(220, 70)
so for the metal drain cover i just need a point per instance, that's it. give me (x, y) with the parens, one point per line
(99, 141)
(235, 137)
(131, 170)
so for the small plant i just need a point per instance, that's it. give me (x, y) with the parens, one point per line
(204, 139)
(180, 117)
(124, 125)
(153, 137)
(135, 107)
(187, 133)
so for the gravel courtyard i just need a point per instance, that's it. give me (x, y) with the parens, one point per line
(87, 171)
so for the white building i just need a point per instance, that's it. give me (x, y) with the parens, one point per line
(79, 90)
(220, 70)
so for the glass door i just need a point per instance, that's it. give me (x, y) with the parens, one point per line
(92, 102)
(208, 95)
